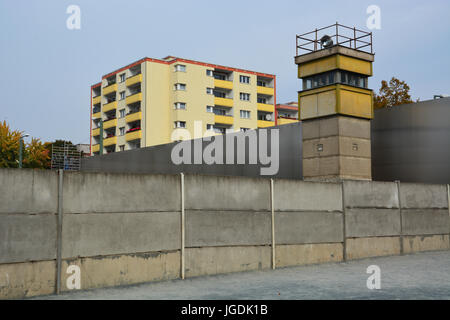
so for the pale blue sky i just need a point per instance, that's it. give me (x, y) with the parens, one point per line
(48, 69)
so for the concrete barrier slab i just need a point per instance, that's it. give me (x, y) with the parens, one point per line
(370, 194)
(412, 244)
(303, 254)
(360, 223)
(359, 248)
(102, 192)
(425, 221)
(227, 228)
(226, 193)
(27, 237)
(88, 235)
(28, 191)
(308, 227)
(296, 195)
(415, 195)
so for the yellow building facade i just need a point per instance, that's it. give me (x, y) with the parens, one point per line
(142, 104)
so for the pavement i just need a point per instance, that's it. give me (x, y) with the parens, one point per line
(418, 276)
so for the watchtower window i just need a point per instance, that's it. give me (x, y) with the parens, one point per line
(333, 77)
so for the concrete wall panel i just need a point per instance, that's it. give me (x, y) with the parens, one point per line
(412, 244)
(27, 237)
(27, 279)
(372, 222)
(218, 260)
(102, 192)
(28, 191)
(294, 195)
(227, 228)
(414, 195)
(308, 227)
(88, 235)
(425, 221)
(370, 194)
(226, 193)
(120, 270)
(360, 248)
(296, 255)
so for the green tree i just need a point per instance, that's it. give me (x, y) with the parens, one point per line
(394, 93)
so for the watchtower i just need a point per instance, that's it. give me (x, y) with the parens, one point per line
(335, 103)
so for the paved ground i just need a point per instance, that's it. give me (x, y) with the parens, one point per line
(420, 276)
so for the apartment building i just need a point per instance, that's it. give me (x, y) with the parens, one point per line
(286, 113)
(140, 105)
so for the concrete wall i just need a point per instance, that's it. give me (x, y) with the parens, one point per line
(122, 229)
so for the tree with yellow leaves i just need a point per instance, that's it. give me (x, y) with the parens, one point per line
(391, 94)
(35, 155)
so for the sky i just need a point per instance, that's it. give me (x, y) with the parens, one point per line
(48, 69)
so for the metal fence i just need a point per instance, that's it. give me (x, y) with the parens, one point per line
(66, 157)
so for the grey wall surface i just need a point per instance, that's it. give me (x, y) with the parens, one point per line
(409, 143)
(157, 159)
(228, 221)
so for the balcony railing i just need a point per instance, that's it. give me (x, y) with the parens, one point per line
(265, 107)
(135, 116)
(133, 135)
(265, 91)
(223, 119)
(225, 84)
(109, 89)
(133, 98)
(110, 106)
(226, 102)
(133, 79)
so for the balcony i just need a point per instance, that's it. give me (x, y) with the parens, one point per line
(133, 135)
(133, 117)
(265, 91)
(226, 102)
(223, 119)
(134, 98)
(96, 100)
(110, 123)
(96, 132)
(265, 124)
(110, 106)
(133, 80)
(109, 141)
(281, 121)
(265, 107)
(109, 89)
(95, 148)
(224, 84)
(96, 115)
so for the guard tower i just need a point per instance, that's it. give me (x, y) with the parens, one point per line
(335, 104)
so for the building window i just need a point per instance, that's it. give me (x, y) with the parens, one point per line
(180, 105)
(209, 109)
(180, 124)
(244, 79)
(209, 127)
(180, 68)
(122, 113)
(245, 114)
(209, 73)
(122, 148)
(180, 86)
(122, 95)
(122, 77)
(121, 131)
(261, 84)
(244, 129)
(209, 90)
(244, 96)
(262, 100)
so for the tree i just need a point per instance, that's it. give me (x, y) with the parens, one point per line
(9, 146)
(36, 155)
(394, 93)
